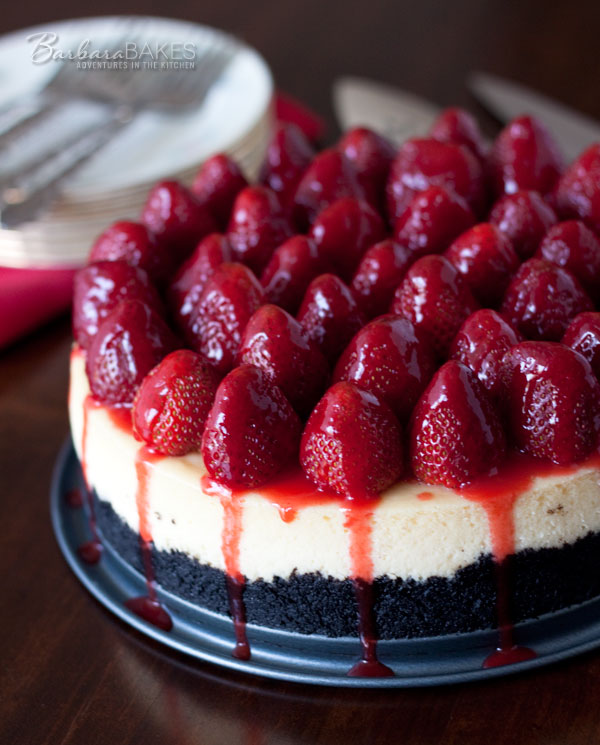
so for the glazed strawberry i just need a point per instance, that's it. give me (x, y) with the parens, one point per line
(387, 358)
(343, 232)
(379, 273)
(100, 287)
(542, 299)
(461, 128)
(481, 343)
(524, 217)
(425, 162)
(352, 443)
(177, 218)
(131, 340)
(577, 194)
(455, 434)
(524, 156)
(217, 184)
(371, 155)
(434, 297)
(257, 226)
(172, 403)
(431, 221)
(288, 155)
(553, 398)
(277, 343)
(229, 298)
(575, 247)
(331, 176)
(291, 269)
(329, 314)
(486, 259)
(583, 335)
(134, 243)
(187, 285)
(251, 432)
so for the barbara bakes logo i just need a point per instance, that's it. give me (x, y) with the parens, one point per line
(155, 55)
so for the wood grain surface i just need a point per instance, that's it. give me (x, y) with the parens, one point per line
(69, 672)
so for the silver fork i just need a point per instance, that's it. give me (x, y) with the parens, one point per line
(25, 193)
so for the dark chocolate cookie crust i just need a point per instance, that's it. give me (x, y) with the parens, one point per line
(542, 581)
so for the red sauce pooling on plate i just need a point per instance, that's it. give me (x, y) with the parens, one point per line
(90, 551)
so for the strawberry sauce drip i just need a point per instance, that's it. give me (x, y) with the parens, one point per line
(147, 606)
(74, 498)
(232, 503)
(90, 551)
(359, 523)
(425, 496)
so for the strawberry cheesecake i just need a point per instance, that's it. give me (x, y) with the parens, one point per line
(359, 398)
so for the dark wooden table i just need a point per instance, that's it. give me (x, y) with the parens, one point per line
(71, 673)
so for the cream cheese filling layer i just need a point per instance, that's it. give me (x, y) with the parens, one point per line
(411, 538)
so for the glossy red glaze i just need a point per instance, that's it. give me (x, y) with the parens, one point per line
(425, 496)
(230, 297)
(431, 221)
(583, 335)
(424, 162)
(288, 155)
(343, 231)
(456, 434)
(435, 298)
(524, 217)
(542, 299)
(577, 194)
(252, 431)
(217, 184)
(91, 551)
(486, 259)
(258, 224)
(352, 443)
(380, 271)
(275, 342)
(74, 498)
(388, 358)
(458, 126)
(524, 156)
(371, 155)
(368, 666)
(575, 247)
(330, 315)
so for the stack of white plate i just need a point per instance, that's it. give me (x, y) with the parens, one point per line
(236, 117)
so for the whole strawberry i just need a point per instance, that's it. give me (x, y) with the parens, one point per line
(329, 315)
(257, 226)
(431, 221)
(524, 156)
(352, 443)
(130, 341)
(288, 155)
(577, 194)
(554, 401)
(583, 335)
(191, 278)
(371, 155)
(291, 269)
(230, 297)
(481, 343)
(134, 243)
(387, 358)
(379, 273)
(455, 434)
(575, 247)
(100, 287)
(434, 297)
(331, 176)
(217, 184)
(524, 217)
(424, 162)
(343, 232)
(542, 299)
(176, 218)
(251, 433)
(172, 403)
(276, 343)
(458, 126)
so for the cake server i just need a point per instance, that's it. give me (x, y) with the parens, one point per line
(394, 113)
(505, 100)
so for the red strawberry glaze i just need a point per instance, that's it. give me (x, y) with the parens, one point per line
(91, 551)
(147, 606)
(425, 496)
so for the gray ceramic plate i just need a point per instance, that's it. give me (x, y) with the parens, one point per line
(296, 657)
